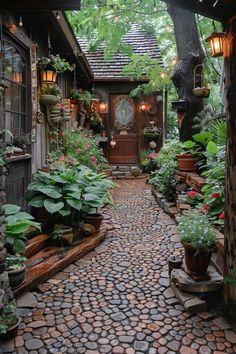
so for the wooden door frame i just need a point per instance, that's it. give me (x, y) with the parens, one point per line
(136, 115)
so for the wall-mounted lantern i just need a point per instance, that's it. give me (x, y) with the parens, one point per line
(112, 142)
(102, 106)
(143, 106)
(216, 41)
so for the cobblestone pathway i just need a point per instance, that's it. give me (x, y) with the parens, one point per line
(117, 299)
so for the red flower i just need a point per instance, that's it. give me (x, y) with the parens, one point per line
(215, 195)
(221, 215)
(206, 206)
(192, 194)
(151, 155)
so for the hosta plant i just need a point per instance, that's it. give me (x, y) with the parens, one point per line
(17, 223)
(68, 192)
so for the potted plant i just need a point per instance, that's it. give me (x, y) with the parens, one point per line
(95, 121)
(17, 225)
(151, 133)
(95, 195)
(85, 97)
(188, 156)
(68, 192)
(50, 94)
(15, 267)
(198, 239)
(9, 151)
(74, 96)
(9, 321)
(51, 66)
(21, 141)
(63, 233)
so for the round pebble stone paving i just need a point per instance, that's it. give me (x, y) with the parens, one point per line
(117, 299)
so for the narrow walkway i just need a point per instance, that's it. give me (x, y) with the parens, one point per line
(117, 299)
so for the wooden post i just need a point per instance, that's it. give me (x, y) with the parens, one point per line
(230, 185)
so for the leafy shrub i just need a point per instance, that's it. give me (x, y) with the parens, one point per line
(195, 229)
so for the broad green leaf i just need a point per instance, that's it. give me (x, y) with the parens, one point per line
(10, 219)
(22, 216)
(37, 202)
(212, 148)
(51, 191)
(91, 197)
(19, 245)
(64, 212)
(75, 195)
(74, 203)
(52, 207)
(10, 209)
(19, 227)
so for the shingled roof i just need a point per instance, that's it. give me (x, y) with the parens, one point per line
(141, 42)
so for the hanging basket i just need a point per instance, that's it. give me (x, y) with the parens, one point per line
(203, 91)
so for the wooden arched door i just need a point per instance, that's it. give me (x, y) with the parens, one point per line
(124, 127)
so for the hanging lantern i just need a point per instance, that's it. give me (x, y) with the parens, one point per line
(216, 41)
(48, 75)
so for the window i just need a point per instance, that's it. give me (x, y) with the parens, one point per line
(14, 109)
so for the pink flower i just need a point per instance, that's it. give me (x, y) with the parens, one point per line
(215, 195)
(221, 215)
(206, 206)
(87, 145)
(192, 194)
(62, 158)
(152, 155)
(92, 158)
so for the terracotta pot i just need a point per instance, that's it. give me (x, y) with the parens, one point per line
(187, 162)
(16, 276)
(93, 219)
(196, 263)
(11, 332)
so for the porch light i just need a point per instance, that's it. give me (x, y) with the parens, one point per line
(216, 41)
(102, 106)
(49, 76)
(143, 106)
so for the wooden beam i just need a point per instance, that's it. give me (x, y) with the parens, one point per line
(42, 4)
(230, 180)
(221, 11)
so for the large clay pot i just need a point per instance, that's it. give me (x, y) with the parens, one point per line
(93, 219)
(196, 263)
(16, 276)
(187, 162)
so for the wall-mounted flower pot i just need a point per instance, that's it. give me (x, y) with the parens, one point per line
(187, 162)
(49, 100)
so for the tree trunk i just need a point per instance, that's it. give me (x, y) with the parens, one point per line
(230, 185)
(190, 54)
